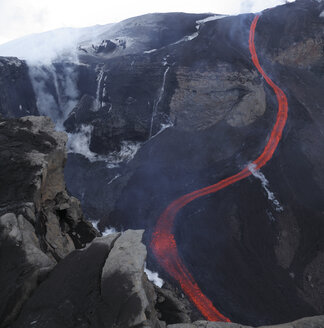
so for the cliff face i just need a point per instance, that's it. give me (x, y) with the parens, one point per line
(17, 97)
(40, 223)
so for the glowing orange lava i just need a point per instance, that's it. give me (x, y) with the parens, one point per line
(163, 243)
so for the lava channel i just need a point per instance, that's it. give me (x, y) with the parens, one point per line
(163, 243)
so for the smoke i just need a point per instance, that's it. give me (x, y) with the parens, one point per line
(46, 103)
(44, 48)
(52, 58)
(55, 86)
(265, 184)
(79, 142)
(248, 6)
(153, 277)
(109, 231)
(55, 89)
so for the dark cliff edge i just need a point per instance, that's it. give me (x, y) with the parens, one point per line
(17, 97)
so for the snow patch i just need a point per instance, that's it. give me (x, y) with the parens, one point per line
(164, 126)
(153, 277)
(156, 103)
(149, 51)
(98, 96)
(113, 179)
(208, 19)
(265, 184)
(321, 14)
(186, 38)
(199, 23)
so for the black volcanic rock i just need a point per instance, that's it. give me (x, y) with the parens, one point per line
(312, 322)
(17, 97)
(39, 222)
(103, 285)
(106, 46)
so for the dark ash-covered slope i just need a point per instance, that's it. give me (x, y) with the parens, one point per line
(257, 263)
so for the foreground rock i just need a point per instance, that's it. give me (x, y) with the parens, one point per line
(312, 322)
(39, 222)
(103, 285)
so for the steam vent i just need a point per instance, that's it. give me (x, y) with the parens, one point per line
(166, 171)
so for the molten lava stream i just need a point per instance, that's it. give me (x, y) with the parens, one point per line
(163, 243)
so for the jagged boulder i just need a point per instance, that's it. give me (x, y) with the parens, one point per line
(103, 285)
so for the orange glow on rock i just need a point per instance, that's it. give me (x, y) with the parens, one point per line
(163, 243)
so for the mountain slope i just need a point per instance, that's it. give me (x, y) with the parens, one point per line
(152, 121)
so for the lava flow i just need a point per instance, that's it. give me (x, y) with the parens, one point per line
(163, 243)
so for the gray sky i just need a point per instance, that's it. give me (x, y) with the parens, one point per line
(21, 17)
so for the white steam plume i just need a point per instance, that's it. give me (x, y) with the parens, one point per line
(265, 184)
(248, 6)
(153, 277)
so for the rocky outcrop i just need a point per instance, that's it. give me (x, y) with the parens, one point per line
(203, 98)
(39, 222)
(17, 97)
(128, 300)
(103, 285)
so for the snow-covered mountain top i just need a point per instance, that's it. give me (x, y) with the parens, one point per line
(131, 35)
(44, 47)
